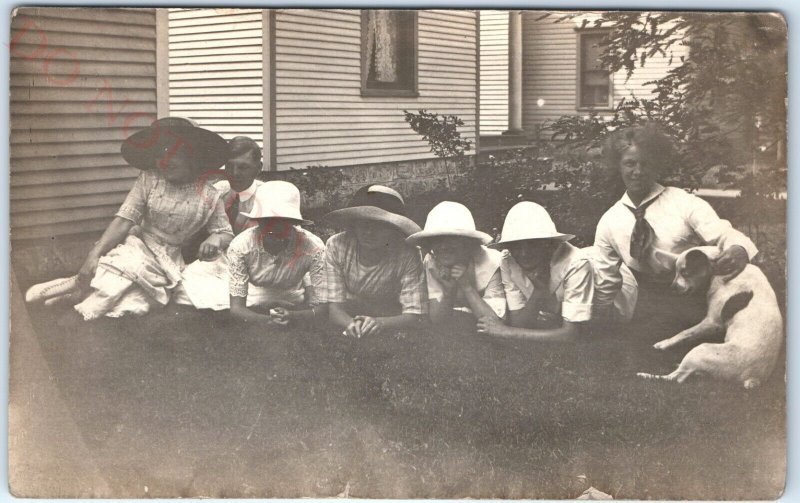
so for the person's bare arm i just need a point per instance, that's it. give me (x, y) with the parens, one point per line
(115, 233)
(567, 332)
(241, 312)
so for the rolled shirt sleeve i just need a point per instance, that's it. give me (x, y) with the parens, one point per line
(495, 296)
(578, 292)
(413, 289)
(218, 221)
(714, 230)
(334, 282)
(514, 296)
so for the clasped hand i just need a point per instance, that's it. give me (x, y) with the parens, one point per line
(363, 326)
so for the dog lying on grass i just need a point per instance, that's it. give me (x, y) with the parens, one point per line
(745, 308)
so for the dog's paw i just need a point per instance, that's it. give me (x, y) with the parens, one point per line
(661, 345)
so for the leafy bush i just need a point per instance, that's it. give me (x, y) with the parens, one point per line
(441, 133)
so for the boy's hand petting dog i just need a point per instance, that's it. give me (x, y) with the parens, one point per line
(731, 262)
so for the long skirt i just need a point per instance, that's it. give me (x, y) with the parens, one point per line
(132, 277)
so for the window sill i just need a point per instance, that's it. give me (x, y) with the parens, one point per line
(595, 109)
(388, 93)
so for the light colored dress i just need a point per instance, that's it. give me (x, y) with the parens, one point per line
(397, 279)
(205, 282)
(481, 272)
(148, 265)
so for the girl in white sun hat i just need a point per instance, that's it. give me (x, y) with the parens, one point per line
(462, 274)
(275, 266)
(549, 283)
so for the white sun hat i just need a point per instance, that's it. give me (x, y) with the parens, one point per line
(276, 199)
(528, 220)
(449, 219)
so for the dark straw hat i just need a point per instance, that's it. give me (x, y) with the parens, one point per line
(144, 149)
(375, 203)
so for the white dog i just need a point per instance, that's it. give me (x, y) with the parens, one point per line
(745, 308)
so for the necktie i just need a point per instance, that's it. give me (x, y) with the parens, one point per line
(642, 234)
(233, 209)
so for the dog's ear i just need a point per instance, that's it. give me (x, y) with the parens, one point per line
(665, 258)
(697, 263)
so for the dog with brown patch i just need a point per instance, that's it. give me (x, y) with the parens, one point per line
(744, 308)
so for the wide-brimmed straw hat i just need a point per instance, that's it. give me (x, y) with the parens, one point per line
(144, 149)
(527, 220)
(376, 203)
(276, 199)
(449, 218)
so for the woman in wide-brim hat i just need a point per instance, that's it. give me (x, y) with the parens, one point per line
(137, 262)
(462, 274)
(374, 281)
(548, 282)
(273, 270)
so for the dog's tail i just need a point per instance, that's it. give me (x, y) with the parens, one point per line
(645, 375)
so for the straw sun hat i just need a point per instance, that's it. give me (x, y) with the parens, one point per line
(527, 220)
(277, 199)
(449, 219)
(375, 203)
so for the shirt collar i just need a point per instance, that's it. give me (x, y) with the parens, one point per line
(559, 263)
(248, 192)
(654, 193)
(287, 251)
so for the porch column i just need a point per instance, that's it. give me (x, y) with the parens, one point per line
(514, 73)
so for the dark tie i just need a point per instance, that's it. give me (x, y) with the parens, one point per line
(233, 209)
(643, 234)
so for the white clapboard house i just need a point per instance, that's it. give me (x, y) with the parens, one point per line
(313, 87)
(535, 68)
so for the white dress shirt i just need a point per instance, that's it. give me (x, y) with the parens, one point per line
(679, 220)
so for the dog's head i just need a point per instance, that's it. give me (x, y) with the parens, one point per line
(693, 268)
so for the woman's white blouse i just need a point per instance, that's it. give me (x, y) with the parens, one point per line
(679, 220)
(571, 282)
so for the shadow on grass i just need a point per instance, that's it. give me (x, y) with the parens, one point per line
(191, 404)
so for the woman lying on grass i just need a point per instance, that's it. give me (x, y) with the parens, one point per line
(463, 276)
(276, 265)
(375, 282)
(549, 283)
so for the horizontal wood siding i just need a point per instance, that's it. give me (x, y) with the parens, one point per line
(81, 81)
(216, 71)
(321, 117)
(550, 71)
(494, 71)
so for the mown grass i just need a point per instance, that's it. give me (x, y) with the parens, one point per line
(192, 404)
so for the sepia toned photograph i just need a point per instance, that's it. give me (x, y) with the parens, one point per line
(397, 254)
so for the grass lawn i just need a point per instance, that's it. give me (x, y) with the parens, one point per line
(185, 403)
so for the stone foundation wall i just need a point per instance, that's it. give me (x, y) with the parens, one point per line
(410, 178)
